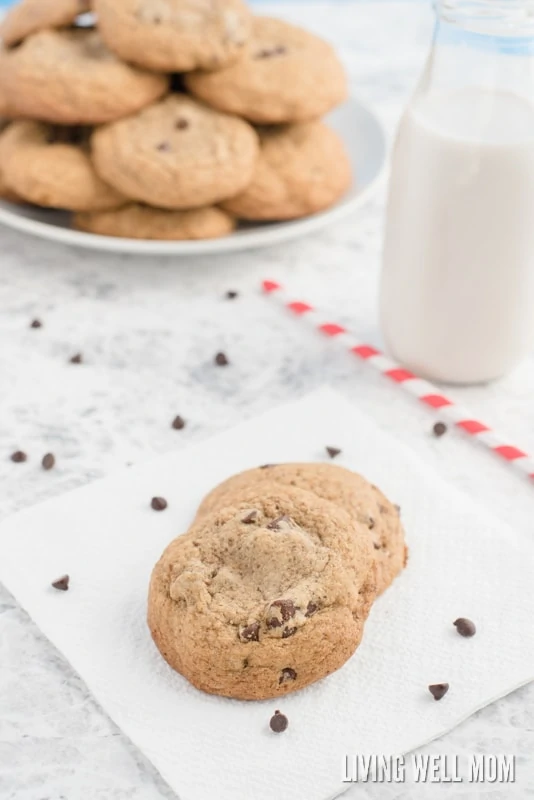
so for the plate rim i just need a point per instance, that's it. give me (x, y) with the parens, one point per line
(255, 239)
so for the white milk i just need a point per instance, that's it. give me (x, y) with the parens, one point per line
(457, 296)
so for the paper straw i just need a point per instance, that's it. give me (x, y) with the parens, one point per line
(426, 393)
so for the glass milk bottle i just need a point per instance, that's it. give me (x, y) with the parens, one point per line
(457, 287)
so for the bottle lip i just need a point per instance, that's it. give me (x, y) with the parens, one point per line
(494, 17)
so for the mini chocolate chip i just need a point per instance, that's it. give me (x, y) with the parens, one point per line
(178, 423)
(164, 147)
(397, 507)
(287, 674)
(181, 124)
(438, 690)
(36, 323)
(464, 626)
(76, 359)
(287, 632)
(251, 517)
(275, 524)
(370, 523)
(266, 466)
(49, 461)
(251, 633)
(311, 608)
(377, 546)
(231, 295)
(269, 53)
(439, 429)
(221, 360)
(333, 451)
(279, 722)
(61, 583)
(18, 457)
(158, 503)
(287, 612)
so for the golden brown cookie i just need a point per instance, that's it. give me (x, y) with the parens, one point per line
(347, 489)
(175, 35)
(30, 16)
(177, 154)
(286, 75)
(143, 222)
(302, 168)
(262, 598)
(50, 166)
(70, 77)
(6, 193)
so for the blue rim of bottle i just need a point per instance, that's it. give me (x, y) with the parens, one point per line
(490, 41)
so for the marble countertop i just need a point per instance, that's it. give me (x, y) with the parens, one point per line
(148, 330)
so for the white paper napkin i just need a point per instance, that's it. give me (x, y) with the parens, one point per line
(462, 563)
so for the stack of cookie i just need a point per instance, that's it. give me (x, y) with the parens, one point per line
(270, 588)
(167, 119)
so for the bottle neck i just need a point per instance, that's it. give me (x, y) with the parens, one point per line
(486, 44)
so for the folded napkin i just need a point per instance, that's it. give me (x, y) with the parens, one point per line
(463, 563)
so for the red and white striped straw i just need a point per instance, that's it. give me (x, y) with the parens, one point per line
(428, 394)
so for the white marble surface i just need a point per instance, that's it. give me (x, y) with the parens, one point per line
(148, 330)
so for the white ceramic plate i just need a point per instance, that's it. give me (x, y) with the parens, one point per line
(366, 143)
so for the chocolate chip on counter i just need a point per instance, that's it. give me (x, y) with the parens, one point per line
(221, 360)
(76, 359)
(158, 503)
(287, 674)
(48, 461)
(279, 722)
(333, 451)
(164, 147)
(250, 633)
(181, 124)
(231, 295)
(36, 323)
(438, 690)
(464, 626)
(279, 523)
(61, 584)
(18, 457)
(439, 429)
(311, 608)
(178, 423)
(251, 517)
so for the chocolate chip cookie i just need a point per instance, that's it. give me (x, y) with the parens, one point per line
(50, 166)
(30, 16)
(302, 168)
(70, 77)
(177, 154)
(175, 35)
(286, 75)
(363, 501)
(264, 597)
(136, 221)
